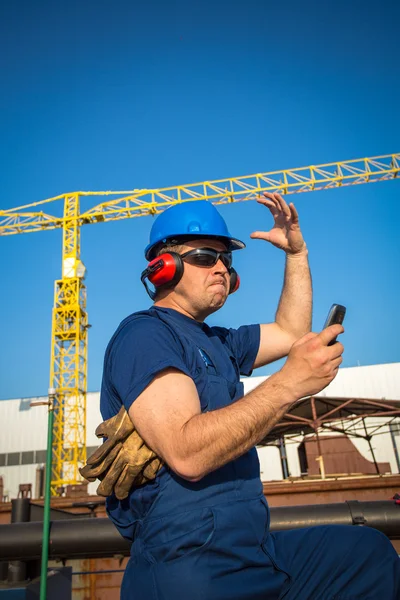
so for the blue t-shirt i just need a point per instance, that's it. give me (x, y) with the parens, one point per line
(149, 342)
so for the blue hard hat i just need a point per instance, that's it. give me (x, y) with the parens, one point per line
(190, 220)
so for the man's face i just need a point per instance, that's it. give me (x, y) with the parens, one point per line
(204, 289)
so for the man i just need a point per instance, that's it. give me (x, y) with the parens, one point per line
(200, 528)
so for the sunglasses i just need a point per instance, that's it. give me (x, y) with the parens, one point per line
(207, 257)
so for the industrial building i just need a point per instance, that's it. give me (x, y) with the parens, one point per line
(23, 439)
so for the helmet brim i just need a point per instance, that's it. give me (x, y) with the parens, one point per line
(231, 243)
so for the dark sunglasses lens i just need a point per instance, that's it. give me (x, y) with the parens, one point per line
(226, 258)
(208, 257)
(202, 260)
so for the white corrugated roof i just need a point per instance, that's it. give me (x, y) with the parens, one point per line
(373, 381)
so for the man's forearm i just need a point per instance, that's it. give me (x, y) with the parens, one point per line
(214, 438)
(295, 304)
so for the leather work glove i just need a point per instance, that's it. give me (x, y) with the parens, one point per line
(123, 460)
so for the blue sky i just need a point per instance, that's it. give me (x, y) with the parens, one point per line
(122, 95)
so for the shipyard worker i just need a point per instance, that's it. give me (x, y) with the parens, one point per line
(182, 469)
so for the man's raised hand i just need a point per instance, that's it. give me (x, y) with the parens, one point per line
(286, 233)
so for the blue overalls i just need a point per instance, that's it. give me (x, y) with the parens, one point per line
(210, 540)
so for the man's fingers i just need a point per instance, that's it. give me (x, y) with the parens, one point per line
(336, 350)
(266, 202)
(329, 334)
(274, 198)
(337, 362)
(284, 207)
(260, 235)
(270, 204)
(271, 196)
(279, 202)
(294, 213)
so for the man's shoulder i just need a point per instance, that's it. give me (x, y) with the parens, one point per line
(144, 325)
(139, 319)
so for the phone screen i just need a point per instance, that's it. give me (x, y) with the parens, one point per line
(335, 317)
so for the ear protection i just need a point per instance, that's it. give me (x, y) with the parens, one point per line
(167, 269)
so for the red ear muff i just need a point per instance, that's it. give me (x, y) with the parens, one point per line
(166, 269)
(234, 279)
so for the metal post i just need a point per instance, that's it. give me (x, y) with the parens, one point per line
(283, 457)
(396, 453)
(47, 495)
(368, 438)
(315, 424)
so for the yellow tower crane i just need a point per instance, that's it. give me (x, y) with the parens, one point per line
(69, 323)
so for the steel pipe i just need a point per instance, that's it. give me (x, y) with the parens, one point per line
(91, 538)
(20, 513)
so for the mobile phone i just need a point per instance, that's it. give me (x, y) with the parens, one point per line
(335, 317)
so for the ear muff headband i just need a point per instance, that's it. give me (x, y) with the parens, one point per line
(167, 269)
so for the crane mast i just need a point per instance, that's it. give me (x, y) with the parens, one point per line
(68, 367)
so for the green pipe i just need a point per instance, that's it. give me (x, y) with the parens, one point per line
(47, 496)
